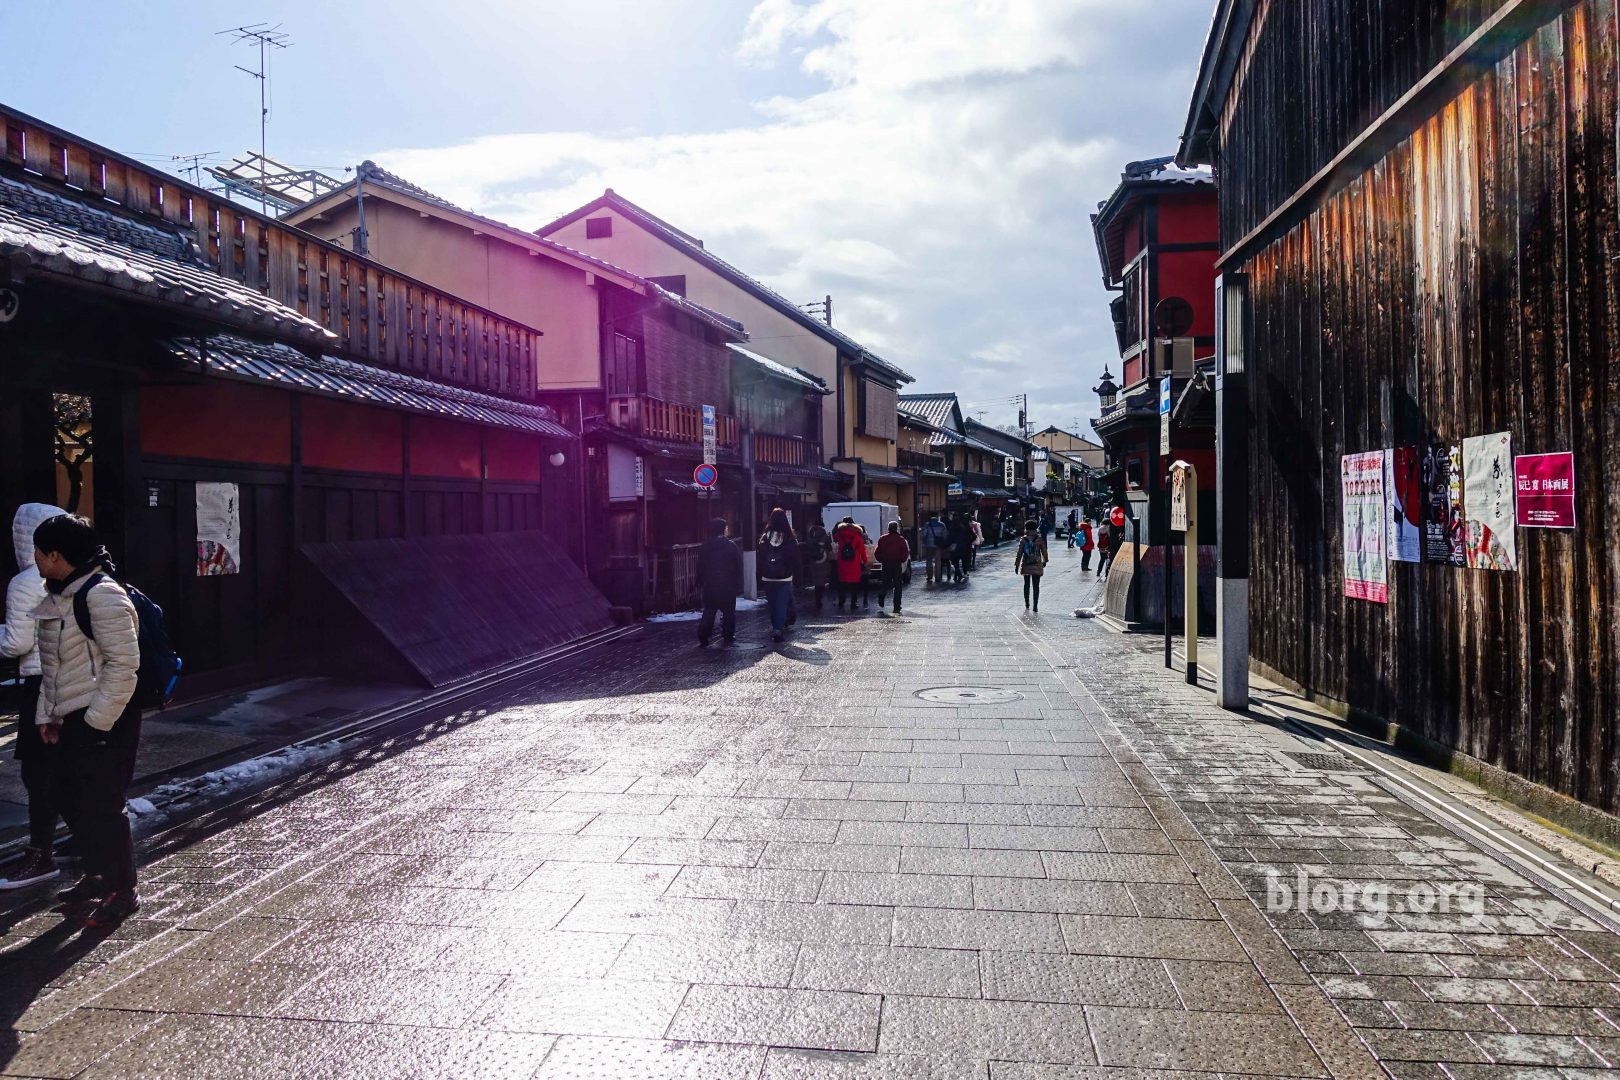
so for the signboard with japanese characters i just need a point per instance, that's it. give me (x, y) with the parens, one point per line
(219, 529)
(710, 440)
(1488, 502)
(1545, 489)
(1442, 505)
(1164, 415)
(1366, 573)
(1178, 498)
(1009, 473)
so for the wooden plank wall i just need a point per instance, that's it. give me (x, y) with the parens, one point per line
(380, 317)
(1467, 283)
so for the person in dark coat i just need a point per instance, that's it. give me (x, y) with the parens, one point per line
(961, 540)
(778, 563)
(893, 555)
(720, 579)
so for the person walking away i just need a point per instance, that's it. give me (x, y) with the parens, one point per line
(1087, 542)
(819, 574)
(1105, 550)
(893, 555)
(778, 554)
(932, 539)
(720, 579)
(87, 706)
(1031, 562)
(39, 764)
(974, 541)
(1073, 526)
(961, 540)
(849, 551)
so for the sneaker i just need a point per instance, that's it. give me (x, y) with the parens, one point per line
(703, 643)
(36, 865)
(88, 888)
(778, 636)
(113, 909)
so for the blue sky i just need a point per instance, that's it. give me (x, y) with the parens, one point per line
(931, 163)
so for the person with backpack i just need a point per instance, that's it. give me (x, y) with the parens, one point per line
(849, 548)
(778, 558)
(819, 560)
(1072, 526)
(1031, 562)
(932, 539)
(893, 555)
(90, 659)
(1088, 543)
(961, 541)
(719, 579)
(39, 763)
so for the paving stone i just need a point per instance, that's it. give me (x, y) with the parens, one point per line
(1003, 1030)
(615, 1007)
(751, 962)
(814, 1019)
(1173, 939)
(747, 883)
(1008, 930)
(1224, 1042)
(850, 858)
(578, 1058)
(878, 969)
(68, 1048)
(784, 1063)
(1045, 894)
(975, 862)
(1076, 980)
(1100, 867)
(903, 834)
(897, 890)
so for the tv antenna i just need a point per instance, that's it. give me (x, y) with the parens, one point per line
(192, 164)
(266, 37)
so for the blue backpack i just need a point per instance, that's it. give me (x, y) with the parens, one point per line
(160, 664)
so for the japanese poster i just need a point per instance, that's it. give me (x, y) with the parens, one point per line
(1442, 505)
(1488, 501)
(1545, 490)
(219, 530)
(1365, 571)
(1403, 496)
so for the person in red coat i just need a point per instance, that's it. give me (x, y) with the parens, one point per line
(893, 555)
(849, 548)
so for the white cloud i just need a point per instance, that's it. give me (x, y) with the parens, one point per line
(938, 185)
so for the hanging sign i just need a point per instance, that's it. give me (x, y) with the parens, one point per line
(641, 476)
(1365, 571)
(1488, 501)
(1442, 505)
(954, 487)
(710, 447)
(219, 530)
(705, 476)
(1403, 496)
(1178, 498)
(1545, 488)
(1009, 473)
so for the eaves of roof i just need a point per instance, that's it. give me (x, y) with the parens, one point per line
(1223, 47)
(770, 367)
(693, 248)
(937, 409)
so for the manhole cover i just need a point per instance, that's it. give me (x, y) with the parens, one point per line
(969, 695)
(745, 645)
(1326, 762)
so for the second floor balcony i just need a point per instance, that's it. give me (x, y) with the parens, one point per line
(916, 459)
(786, 450)
(656, 418)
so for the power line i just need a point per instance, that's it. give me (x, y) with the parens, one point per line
(266, 37)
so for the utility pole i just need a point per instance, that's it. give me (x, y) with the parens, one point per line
(266, 37)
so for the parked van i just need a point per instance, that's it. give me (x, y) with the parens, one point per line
(874, 517)
(1061, 526)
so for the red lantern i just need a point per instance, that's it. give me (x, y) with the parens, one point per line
(1116, 517)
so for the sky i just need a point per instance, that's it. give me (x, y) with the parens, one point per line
(932, 164)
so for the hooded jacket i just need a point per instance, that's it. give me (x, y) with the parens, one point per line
(26, 589)
(77, 673)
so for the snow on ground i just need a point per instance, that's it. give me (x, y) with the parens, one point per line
(694, 616)
(167, 801)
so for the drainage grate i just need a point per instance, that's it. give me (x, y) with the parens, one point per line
(969, 695)
(1326, 762)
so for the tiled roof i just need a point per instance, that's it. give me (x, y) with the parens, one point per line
(376, 174)
(77, 239)
(994, 435)
(694, 248)
(882, 474)
(781, 371)
(935, 408)
(284, 365)
(945, 437)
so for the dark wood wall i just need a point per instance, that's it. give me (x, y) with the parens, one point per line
(1465, 284)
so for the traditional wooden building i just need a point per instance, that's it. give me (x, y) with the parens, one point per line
(306, 457)
(1419, 246)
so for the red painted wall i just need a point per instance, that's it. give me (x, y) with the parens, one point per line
(1191, 276)
(217, 420)
(1187, 219)
(353, 438)
(443, 448)
(514, 457)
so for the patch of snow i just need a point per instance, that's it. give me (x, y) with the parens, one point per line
(694, 616)
(1088, 612)
(162, 803)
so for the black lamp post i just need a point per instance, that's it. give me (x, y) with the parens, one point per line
(1106, 391)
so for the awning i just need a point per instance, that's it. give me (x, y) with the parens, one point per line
(283, 365)
(878, 474)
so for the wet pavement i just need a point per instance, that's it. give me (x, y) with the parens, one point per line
(964, 842)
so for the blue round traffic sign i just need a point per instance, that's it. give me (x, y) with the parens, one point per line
(705, 475)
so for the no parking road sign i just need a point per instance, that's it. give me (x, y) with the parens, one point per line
(705, 476)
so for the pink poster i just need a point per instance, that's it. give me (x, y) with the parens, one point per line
(1366, 573)
(1545, 484)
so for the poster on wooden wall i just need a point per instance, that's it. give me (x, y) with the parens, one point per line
(1403, 498)
(1366, 574)
(1488, 501)
(1442, 505)
(219, 530)
(1545, 490)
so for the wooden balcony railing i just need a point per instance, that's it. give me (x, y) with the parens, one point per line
(785, 450)
(659, 419)
(916, 459)
(380, 317)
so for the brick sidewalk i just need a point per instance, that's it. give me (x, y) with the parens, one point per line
(788, 864)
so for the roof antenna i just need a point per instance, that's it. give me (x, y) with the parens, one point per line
(266, 37)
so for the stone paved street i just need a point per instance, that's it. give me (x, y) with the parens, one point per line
(799, 863)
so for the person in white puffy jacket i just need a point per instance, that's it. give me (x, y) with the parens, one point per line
(86, 706)
(37, 761)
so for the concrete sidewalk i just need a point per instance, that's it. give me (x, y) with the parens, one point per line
(965, 842)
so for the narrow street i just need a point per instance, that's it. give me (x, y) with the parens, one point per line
(823, 861)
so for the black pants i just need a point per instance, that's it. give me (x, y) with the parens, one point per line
(726, 608)
(893, 578)
(40, 765)
(97, 767)
(1085, 559)
(1032, 585)
(847, 590)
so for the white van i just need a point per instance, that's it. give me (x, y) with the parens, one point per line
(874, 517)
